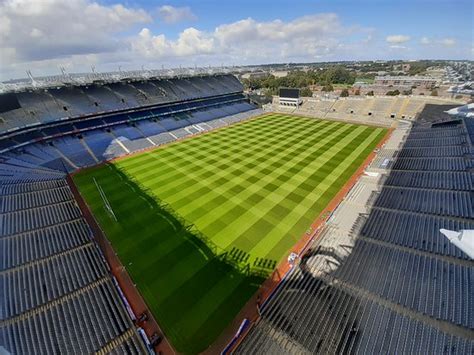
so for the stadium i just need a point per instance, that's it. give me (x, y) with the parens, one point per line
(276, 179)
(161, 213)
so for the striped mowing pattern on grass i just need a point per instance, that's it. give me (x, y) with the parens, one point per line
(253, 187)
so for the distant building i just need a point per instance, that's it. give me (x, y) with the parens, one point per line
(255, 75)
(280, 73)
(408, 81)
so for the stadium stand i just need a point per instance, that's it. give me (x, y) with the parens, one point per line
(378, 110)
(58, 293)
(390, 282)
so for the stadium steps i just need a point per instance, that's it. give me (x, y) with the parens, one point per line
(369, 107)
(118, 142)
(87, 148)
(66, 158)
(116, 343)
(44, 307)
(391, 108)
(403, 107)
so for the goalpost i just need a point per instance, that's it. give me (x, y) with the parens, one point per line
(104, 199)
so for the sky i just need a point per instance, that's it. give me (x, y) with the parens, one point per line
(44, 35)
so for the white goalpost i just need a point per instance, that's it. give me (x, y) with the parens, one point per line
(105, 200)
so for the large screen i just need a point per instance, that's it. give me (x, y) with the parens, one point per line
(291, 93)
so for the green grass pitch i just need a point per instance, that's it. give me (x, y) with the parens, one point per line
(253, 188)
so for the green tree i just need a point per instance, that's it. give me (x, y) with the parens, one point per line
(370, 93)
(327, 88)
(344, 93)
(434, 92)
(306, 92)
(393, 93)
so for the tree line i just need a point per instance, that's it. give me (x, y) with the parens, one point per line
(302, 79)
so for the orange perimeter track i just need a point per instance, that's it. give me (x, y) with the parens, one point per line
(249, 311)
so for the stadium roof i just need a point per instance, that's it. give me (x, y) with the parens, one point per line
(54, 81)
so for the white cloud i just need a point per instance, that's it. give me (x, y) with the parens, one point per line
(43, 34)
(309, 37)
(448, 42)
(170, 14)
(398, 46)
(48, 29)
(397, 39)
(445, 42)
(190, 42)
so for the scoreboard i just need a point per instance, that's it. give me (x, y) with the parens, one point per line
(289, 97)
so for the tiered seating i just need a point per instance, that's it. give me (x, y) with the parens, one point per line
(446, 180)
(414, 231)
(162, 138)
(42, 243)
(126, 93)
(444, 203)
(128, 132)
(104, 97)
(98, 141)
(60, 274)
(403, 287)
(74, 102)
(16, 202)
(152, 93)
(72, 148)
(42, 106)
(150, 128)
(57, 293)
(82, 322)
(432, 164)
(422, 283)
(137, 144)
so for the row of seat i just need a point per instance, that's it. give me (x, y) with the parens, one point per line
(432, 164)
(309, 315)
(35, 284)
(438, 151)
(424, 133)
(41, 217)
(435, 142)
(57, 294)
(444, 180)
(29, 200)
(42, 243)
(427, 285)
(24, 187)
(444, 203)
(81, 324)
(420, 232)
